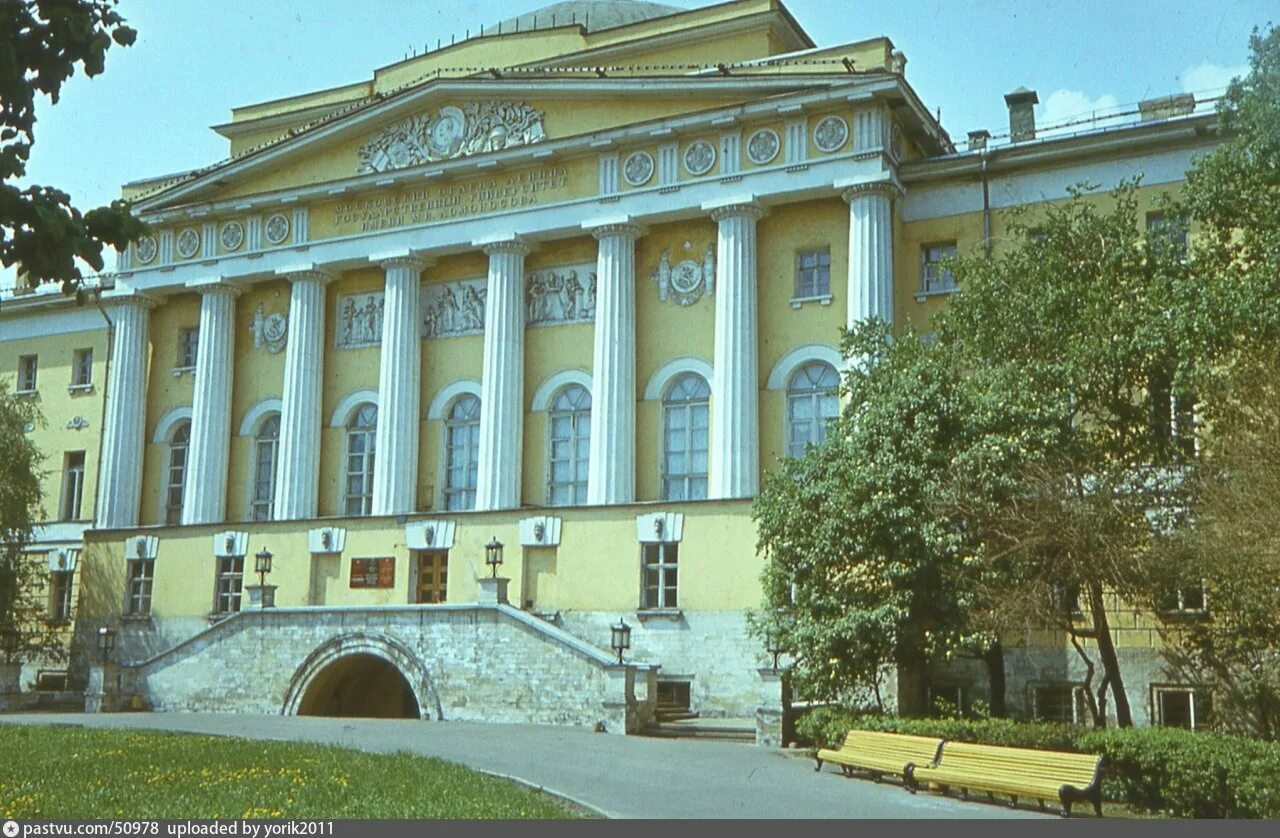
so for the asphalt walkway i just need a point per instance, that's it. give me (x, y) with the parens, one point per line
(619, 776)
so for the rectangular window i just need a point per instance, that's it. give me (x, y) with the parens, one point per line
(934, 278)
(60, 595)
(1066, 599)
(660, 575)
(27, 366)
(1185, 707)
(188, 346)
(946, 700)
(1058, 703)
(82, 368)
(813, 273)
(1185, 600)
(1167, 235)
(141, 574)
(229, 583)
(72, 485)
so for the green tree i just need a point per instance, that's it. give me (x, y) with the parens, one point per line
(23, 577)
(42, 42)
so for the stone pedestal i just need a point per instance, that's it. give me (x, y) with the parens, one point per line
(103, 691)
(493, 591)
(619, 713)
(10, 686)
(772, 710)
(261, 596)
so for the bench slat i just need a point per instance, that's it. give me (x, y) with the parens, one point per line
(1016, 772)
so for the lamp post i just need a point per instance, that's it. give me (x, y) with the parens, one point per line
(262, 595)
(262, 565)
(106, 643)
(620, 638)
(493, 556)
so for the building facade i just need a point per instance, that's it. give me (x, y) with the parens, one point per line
(572, 285)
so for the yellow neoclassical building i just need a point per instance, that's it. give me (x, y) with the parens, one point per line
(571, 286)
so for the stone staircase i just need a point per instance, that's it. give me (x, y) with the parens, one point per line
(676, 722)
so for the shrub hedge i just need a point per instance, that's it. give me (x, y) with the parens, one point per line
(1167, 770)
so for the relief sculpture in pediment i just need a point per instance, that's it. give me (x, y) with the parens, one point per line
(451, 132)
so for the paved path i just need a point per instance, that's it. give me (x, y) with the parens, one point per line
(621, 776)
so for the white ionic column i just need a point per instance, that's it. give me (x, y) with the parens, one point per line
(870, 251)
(735, 415)
(611, 470)
(204, 497)
(502, 384)
(395, 461)
(120, 469)
(298, 463)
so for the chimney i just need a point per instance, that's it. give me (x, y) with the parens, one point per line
(1022, 114)
(1166, 107)
(978, 139)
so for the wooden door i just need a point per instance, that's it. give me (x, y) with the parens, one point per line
(433, 577)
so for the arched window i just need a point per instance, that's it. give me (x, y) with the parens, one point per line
(811, 404)
(266, 445)
(360, 442)
(685, 419)
(570, 446)
(461, 453)
(179, 442)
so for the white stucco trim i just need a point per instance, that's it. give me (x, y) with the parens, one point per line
(782, 371)
(256, 415)
(556, 382)
(169, 421)
(349, 403)
(662, 377)
(448, 393)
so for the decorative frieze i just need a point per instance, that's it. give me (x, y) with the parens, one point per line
(561, 295)
(699, 157)
(359, 320)
(451, 132)
(453, 309)
(188, 242)
(686, 281)
(145, 250)
(638, 170)
(763, 146)
(276, 229)
(232, 236)
(831, 133)
(270, 331)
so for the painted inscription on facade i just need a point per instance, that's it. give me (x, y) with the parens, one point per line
(449, 200)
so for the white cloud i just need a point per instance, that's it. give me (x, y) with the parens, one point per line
(1070, 105)
(1209, 78)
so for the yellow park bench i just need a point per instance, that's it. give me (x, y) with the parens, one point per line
(880, 753)
(1013, 772)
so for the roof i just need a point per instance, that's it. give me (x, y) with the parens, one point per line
(593, 15)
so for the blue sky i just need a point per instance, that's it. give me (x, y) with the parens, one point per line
(196, 59)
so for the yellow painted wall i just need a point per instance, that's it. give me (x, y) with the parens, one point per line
(165, 391)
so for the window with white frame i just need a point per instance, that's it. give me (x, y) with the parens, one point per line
(176, 476)
(461, 453)
(228, 585)
(1058, 703)
(1181, 706)
(266, 445)
(813, 273)
(188, 346)
(811, 405)
(934, 277)
(60, 595)
(72, 485)
(661, 575)
(28, 365)
(142, 573)
(82, 368)
(361, 430)
(685, 438)
(570, 449)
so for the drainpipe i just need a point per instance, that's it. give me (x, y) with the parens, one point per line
(986, 206)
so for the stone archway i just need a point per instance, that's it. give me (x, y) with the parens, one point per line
(362, 674)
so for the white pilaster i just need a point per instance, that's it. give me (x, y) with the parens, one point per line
(735, 415)
(870, 251)
(502, 384)
(611, 470)
(395, 463)
(120, 474)
(297, 469)
(204, 497)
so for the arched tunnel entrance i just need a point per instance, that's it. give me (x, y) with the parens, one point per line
(360, 685)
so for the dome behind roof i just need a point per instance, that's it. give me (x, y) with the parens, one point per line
(592, 14)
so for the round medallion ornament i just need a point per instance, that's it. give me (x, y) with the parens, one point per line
(445, 136)
(638, 168)
(763, 146)
(699, 157)
(232, 235)
(831, 134)
(277, 229)
(144, 249)
(188, 243)
(895, 143)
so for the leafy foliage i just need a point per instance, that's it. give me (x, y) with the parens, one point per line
(42, 42)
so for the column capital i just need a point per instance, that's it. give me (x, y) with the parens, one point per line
(885, 188)
(402, 259)
(215, 285)
(129, 298)
(504, 244)
(308, 271)
(616, 230)
(744, 206)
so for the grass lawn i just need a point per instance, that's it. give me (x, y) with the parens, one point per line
(68, 772)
